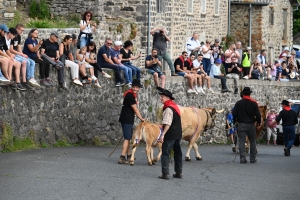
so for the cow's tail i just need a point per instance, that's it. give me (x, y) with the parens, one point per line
(138, 136)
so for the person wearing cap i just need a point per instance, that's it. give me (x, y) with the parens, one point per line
(193, 45)
(50, 53)
(283, 58)
(246, 113)
(127, 56)
(207, 53)
(15, 48)
(271, 128)
(129, 110)
(104, 59)
(5, 40)
(216, 73)
(153, 65)
(246, 62)
(286, 50)
(171, 135)
(160, 39)
(216, 49)
(181, 70)
(264, 64)
(234, 73)
(240, 50)
(289, 120)
(229, 53)
(118, 60)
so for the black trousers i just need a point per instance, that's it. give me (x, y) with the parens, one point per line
(96, 68)
(223, 81)
(167, 146)
(60, 69)
(44, 67)
(116, 70)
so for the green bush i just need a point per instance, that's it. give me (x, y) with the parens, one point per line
(39, 9)
(33, 9)
(38, 24)
(17, 19)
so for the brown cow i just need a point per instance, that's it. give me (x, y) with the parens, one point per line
(195, 121)
(149, 133)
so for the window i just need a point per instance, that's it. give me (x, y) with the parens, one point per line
(271, 17)
(217, 7)
(190, 6)
(160, 6)
(203, 6)
(284, 14)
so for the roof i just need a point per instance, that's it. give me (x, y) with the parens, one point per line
(255, 2)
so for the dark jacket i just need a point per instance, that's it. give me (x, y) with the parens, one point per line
(289, 118)
(246, 111)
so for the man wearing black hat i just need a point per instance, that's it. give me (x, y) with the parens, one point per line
(246, 113)
(289, 120)
(129, 109)
(171, 135)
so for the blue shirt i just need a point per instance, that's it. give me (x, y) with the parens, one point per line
(279, 70)
(114, 53)
(154, 66)
(103, 50)
(230, 122)
(26, 50)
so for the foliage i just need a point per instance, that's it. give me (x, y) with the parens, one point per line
(7, 137)
(17, 18)
(62, 143)
(50, 23)
(39, 9)
(226, 41)
(296, 22)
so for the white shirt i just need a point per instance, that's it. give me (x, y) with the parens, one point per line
(262, 60)
(208, 53)
(87, 29)
(197, 64)
(192, 45)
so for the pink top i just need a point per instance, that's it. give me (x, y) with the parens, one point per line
(232, 53)
(271, 118)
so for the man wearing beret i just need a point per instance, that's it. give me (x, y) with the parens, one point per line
(246, 113)
(171, 135)
(289, 120)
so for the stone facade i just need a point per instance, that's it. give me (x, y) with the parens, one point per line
(264, 34)
(296, 39)
(7, 9)
(90, 115)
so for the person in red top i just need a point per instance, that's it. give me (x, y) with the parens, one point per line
(271, 128)
(188, 64)
(129, 109)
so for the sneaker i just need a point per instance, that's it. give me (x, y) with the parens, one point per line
(232, 145)
(204, 87)
(190, 91)
(97, 85)
(4, 80)
(174, 74)
(34, 83)
(245, 77)
(118, 84)
(211, 90)
(20, 87)
(122, 160)
(13, 85)
(195, 91)
(201, 90)
(27, 86)
(49, 81)
(128, 85)
(159, 88)
(122, 83)
(63, 86)
(94, 78)
(253, 161)
(77, 82)
(105, 75)
(45, 83)
(84, 81)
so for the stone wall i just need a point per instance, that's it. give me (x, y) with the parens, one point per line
(7, 9)
(296, 39)
(91, 115)
(263, 34)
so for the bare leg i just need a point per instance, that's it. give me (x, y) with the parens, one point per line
(17, 66)
(125, 147)
(9, 69)
(163, 81)
(23, 69)
(4, 67)
(155, 77)
(208, 81)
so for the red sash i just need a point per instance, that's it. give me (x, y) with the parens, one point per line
(173, 105)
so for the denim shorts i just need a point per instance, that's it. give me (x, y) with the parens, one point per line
(181, 73)
(127, 131)
(151, 71)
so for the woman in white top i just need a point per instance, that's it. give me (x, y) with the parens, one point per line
(86, 29)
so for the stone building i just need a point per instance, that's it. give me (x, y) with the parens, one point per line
(263, 24)
(7, 9)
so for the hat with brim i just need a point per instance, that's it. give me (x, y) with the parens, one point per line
(136, 82)
(285, 102)
(293, 52)
(218, 60)
(247, 91)
(166, 93)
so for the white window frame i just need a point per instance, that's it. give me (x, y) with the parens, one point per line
(217, 7)
(190, 4)
(203, 7)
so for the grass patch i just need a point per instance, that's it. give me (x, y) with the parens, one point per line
(97, 141)
(62, 143)
(147, 82)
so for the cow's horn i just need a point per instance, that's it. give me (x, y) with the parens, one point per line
(220, 111)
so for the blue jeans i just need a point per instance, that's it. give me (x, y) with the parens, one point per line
(30, 65)
(84, 41)
(127, 131)
(289, 136)
(135, 70)
(127, 73)
(206, 65)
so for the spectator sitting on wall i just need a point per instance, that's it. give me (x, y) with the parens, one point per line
(152, 64)
(15, 48)
(246, 62)
(31, 49)
(115, 56)
(283, 58)
(273, 70)
(285, 72)
(105, 61)
(216, 73)
(264, 64)
(278, 72)
(229, 53)
(160, 39)
(87, 27)
(198, 67)
(5, 43)
(73, 47)
(234, 73)
(188, 64)
(127, 56)
(4, 61)
(294, 60)
(182, 71)
(255, 70)
(83, 65)
(286, 50)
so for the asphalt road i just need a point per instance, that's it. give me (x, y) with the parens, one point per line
(84, 173)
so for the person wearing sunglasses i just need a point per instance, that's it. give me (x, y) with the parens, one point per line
(87, 28)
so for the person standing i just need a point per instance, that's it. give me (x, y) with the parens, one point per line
(171, 135)
(271, 128)
(289, 120)
(87, 28)
(129, 109)
(246, 112)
